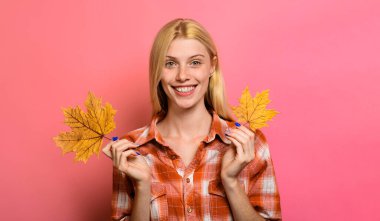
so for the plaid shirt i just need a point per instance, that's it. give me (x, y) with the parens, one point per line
(195, 192)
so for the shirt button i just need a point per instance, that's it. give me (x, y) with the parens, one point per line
(189, 209)
(187, 180)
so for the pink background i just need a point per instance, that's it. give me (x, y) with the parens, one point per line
(320, 60)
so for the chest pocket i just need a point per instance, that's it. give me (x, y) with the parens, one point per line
(219, 206)
(158, 202)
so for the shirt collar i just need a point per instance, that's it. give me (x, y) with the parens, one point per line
(218, 127)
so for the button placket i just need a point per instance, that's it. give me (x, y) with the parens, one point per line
(188, 193)
(189, 209)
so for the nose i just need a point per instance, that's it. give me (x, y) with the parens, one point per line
(182, 74)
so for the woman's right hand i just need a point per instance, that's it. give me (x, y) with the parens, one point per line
(127, 160)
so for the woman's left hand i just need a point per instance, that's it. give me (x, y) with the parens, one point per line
(235, 159)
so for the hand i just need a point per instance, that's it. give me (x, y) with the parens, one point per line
(127, 160)
(235, 159)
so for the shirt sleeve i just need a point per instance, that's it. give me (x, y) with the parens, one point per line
(122, 195)
(262, 188)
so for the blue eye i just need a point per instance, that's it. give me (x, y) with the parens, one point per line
(195, 62)
(169, 64)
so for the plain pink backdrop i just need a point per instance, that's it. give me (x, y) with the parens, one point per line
(320, 60)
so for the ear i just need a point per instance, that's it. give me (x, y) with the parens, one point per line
(214, 61)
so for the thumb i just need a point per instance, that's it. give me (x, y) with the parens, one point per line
(107, 150)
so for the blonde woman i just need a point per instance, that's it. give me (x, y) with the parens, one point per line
(192, 162)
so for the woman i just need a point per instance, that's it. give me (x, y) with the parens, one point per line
(191, 162)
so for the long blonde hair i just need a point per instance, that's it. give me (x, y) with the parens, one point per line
(215, 99)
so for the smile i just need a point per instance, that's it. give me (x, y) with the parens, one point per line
(184, 90)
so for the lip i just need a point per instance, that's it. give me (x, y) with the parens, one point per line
(184, 94)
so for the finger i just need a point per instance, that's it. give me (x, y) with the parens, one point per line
(114, 144)
(246, 128)
(122, 148)
(128, 153)
(123, 164)
(115, 148)
(240, 159)
(247, 131)
(239, 148)
(246, 143)
(251, 143)
(249, 147)
(122, 142)
(239, 136)
(139, 159)
(107, 150)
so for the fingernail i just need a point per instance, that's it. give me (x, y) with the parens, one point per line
(237, 124)
(115, 138)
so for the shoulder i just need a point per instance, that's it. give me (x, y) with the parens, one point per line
(261, 145)
(262, 160)
(260, 137)
(137, 134)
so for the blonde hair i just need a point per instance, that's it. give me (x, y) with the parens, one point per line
(215, 99)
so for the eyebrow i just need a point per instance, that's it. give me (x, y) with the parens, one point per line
(190, 57)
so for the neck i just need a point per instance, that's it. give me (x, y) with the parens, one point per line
(186, 124)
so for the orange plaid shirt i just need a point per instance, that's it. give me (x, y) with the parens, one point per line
(195, 192)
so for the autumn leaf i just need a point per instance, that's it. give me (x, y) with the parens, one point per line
(253, 110)
(87, 129)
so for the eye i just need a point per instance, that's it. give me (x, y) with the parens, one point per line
(195, 62)
(169, 64)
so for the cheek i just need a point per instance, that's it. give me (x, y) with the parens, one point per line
(165, 78)
(201, 73)
(204, 78)
(164, 86)
(205, 85)
(163, 83)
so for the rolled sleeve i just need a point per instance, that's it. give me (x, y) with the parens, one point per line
(263, 191)
(122, 196)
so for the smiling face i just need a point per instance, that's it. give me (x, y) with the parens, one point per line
(185, 75)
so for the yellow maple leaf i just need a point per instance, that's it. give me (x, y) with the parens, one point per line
(253, 110)
(87, 129)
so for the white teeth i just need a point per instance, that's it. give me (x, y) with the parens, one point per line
(185, 89)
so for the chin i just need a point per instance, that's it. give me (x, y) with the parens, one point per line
(187, 105)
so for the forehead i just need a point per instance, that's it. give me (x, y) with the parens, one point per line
(186, 48)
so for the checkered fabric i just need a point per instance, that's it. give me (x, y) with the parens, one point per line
(195, 192)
